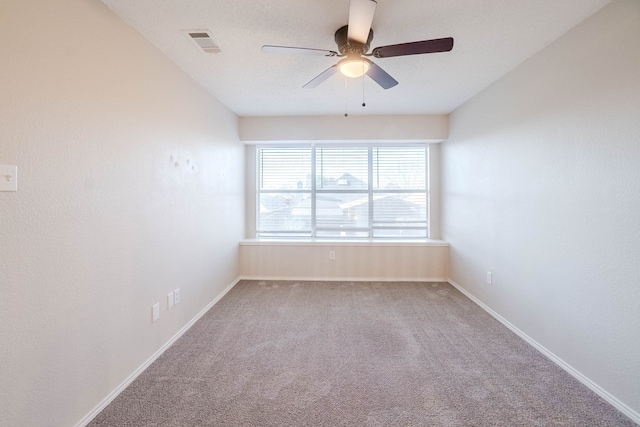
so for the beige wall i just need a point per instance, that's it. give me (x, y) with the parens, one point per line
(353, 260)
(131, 184)
(541, 186)
(431, 128)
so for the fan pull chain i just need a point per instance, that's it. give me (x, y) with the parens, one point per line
(346, 104)
(363, 79)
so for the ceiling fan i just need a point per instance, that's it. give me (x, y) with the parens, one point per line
(353, 42)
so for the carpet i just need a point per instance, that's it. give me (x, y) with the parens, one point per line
(294, 353)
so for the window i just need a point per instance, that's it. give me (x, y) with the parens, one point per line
(359, 191)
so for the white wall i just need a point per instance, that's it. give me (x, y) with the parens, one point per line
(131, 184)
(541, 186)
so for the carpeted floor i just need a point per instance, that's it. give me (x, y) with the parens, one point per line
(353, 354)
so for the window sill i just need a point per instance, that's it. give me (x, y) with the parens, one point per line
(329, 242)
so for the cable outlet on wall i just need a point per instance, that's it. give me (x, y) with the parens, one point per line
(176, 296)
(332, 254)
(489, 277)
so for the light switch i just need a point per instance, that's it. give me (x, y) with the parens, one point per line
(8, 178)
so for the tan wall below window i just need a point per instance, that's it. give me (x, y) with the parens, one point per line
(353, 261)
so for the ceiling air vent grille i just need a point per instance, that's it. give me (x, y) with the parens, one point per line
(203, 39)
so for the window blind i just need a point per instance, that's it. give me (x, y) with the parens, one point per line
(343, 191)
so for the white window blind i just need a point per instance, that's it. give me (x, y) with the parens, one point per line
(342, 192)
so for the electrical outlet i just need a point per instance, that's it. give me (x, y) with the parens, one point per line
(332, 254)
(170, 300)
(176, 296)
(155, 312)
(489, 277)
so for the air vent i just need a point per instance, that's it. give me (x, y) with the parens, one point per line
(203, 39)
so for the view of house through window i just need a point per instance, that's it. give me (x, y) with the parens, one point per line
(342, 191)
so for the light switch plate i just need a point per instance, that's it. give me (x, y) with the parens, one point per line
(8, 178)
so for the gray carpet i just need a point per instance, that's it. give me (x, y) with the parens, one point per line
(353, 354)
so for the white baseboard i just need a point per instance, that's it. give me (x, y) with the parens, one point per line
(633, 415)
(347, 279)
(91, 415)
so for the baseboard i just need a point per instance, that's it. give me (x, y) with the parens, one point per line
(91, 415)
(347, 279)
(620, 406)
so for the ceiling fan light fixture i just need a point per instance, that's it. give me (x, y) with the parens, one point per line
(354, 67)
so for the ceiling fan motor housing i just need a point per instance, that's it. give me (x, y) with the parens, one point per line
(346, 47)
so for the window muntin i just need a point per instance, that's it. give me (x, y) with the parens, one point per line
(343, 192)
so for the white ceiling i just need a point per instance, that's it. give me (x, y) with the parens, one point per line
(491, 38)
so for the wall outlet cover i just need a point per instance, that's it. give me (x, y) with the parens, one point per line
(170, 301)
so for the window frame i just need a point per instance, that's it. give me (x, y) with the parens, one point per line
(369, 192)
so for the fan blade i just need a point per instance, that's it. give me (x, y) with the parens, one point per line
(414, 48)
(360, 18)
(380, 76)
(297, 50)
(322, 77)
